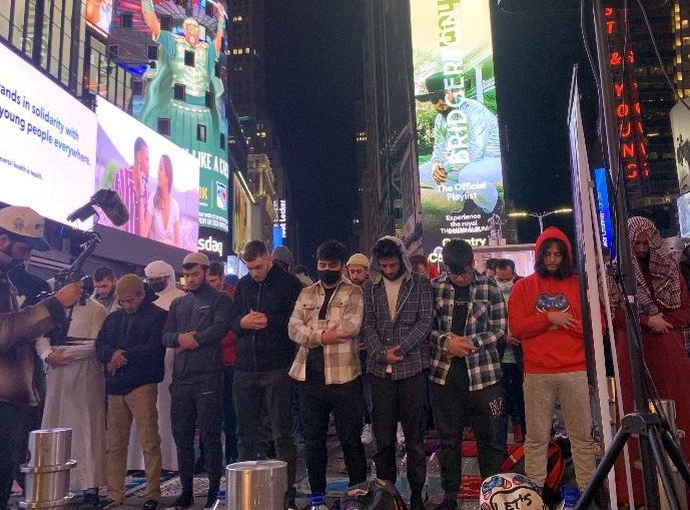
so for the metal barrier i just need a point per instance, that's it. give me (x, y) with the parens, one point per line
(47, 472)
(257, 485)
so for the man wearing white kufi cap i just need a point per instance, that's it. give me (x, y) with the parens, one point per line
(161, 277)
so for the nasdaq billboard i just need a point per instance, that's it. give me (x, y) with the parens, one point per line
(459, 152)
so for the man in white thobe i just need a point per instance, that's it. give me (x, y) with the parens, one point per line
(161, 277)
(75, 391)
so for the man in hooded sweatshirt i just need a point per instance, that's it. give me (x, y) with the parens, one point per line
(545, 313)
(398, 313)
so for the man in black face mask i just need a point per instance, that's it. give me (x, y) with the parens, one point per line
(325, 324)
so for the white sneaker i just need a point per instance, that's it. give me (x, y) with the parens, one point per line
(366, 434)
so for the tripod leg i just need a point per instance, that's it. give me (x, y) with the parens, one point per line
(603, 469)
(676, 455)
(663, 468)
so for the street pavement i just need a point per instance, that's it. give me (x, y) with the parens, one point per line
(337, 483)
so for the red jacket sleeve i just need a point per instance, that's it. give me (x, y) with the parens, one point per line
(523, 319)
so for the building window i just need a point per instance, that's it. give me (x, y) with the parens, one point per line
(152, 51)
(164, 126)
(201, 132)
(179, 91)
(189, 58)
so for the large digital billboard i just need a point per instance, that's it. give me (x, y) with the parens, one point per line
(99, 15)
(157, 181)
(176, 49)
(241, 215)
(680, 125)
(457, 129)
(48, 142)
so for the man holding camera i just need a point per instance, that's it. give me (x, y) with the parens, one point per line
(21, 230)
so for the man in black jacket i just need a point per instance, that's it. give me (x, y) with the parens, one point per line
(264, 300)
(196, 325)
(129, 344)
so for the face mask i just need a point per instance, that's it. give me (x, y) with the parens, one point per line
(159, 287)
(505, 286)
(329, 277)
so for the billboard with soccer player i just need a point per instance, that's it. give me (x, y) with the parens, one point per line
(457, 129)
(176, 51)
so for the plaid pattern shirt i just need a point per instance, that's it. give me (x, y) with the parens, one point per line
(346, 308)
(487, 323)
(408, 329)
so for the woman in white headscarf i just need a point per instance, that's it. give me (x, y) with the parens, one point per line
(161, 277)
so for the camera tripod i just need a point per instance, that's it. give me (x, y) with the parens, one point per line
(655, 435)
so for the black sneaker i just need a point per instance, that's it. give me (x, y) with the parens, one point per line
(150, 504)
(108, 504)
(183, 502)
(447, 504)
(91, 500)
(416, 502)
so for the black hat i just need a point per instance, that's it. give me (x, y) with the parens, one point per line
(435, 86)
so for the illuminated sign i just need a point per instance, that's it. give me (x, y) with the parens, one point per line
(604, 207)
(209, 244)
(459, 153)
(213, 243)
(48, 149)
(633, 151)
(280, 209)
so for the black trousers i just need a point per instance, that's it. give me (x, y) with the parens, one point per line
(514, 400)
(452, 404)
(399, 401)
(229, 420)
(345, 401)
(199, 401)
(253, 390)
(10, 430)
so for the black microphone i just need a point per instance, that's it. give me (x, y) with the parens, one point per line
(109, 202)
(83, 213)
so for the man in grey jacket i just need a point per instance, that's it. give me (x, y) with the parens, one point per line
(398, 313)
(21, 230)
(196, 325)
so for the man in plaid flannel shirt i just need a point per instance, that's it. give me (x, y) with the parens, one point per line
(397, 319)
(470, 319)
(325, 324)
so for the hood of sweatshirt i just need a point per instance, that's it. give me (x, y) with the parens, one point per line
(402, 252)
(552, 233)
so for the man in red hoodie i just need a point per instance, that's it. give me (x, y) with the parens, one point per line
(545, 314)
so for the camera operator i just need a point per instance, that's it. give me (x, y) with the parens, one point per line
(21, 230)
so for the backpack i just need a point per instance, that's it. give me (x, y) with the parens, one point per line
(555, 467)
(372, 495)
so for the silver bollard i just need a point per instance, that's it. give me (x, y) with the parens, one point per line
(257, 485)
(47, 472)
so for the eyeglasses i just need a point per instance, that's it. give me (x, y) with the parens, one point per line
(464, 272)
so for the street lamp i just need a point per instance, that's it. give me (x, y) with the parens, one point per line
(539, 216)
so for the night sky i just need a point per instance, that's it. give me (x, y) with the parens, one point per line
(314, 63)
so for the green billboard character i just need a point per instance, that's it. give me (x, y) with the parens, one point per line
(186, 65)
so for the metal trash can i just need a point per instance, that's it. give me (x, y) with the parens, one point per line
(257, 485)
(47, 472)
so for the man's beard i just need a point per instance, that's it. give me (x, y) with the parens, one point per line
(6, 259)
(643, 258)
(397, 275)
